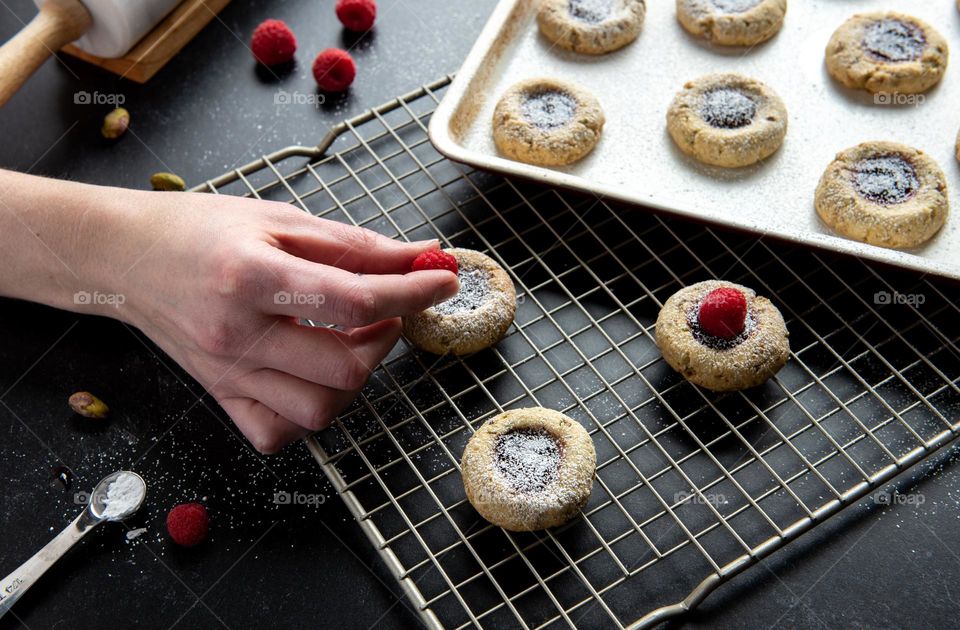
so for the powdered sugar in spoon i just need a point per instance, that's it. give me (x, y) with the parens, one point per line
(115, 498)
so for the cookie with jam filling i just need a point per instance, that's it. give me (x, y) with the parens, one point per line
(727, 120)
(718, 350)
(529, 469)
(885, 194)
(547, 122)
(477, 317)
(732, 22)
(591, 27)
(887, 52)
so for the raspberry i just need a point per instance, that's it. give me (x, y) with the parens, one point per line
(723, 313)
(357, 15)
(435, 259)
(188, 524)
(273, 43)
(334, 70)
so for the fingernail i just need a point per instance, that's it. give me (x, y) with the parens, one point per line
(456, 285)
(447, 286)
(430, 242)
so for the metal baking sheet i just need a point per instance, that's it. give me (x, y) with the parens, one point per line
(636, 160)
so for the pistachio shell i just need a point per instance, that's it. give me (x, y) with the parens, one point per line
(167, 181)
(115, 123)
(88, 405)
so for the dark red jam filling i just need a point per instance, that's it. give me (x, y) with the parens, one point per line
(474, 291)
(735, 6)
(727, 108)
(528, 459)
(886, 180)
(893, 40)
(591, 11)
(548, 109)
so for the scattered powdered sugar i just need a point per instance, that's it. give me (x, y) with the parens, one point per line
(124, 494)
(735, 6)
(727, 108)
(893, 40)
(887, 179)
(474, 292)
(591, 11)
(133, 534)
(548, 109)
(190, 463)
(528, 459)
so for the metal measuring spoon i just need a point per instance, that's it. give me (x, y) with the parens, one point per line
(17, 583)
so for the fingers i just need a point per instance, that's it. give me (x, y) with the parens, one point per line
(266, 430)
(278, 408)
(306, 404)
(323, 356)
(352, 248)
(388, 328)
(331, 295)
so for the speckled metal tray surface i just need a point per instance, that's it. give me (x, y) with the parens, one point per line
(637, 162)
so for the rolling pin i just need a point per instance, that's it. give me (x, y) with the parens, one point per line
(105, 28)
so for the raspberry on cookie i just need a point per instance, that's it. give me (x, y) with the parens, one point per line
(477, 317)
(723, 313)
(722, 336)
(435, 259)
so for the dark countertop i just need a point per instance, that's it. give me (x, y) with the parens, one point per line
(297, 566)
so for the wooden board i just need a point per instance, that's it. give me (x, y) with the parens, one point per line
(159, 45)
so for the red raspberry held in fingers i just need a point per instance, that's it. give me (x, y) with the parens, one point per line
(357, 15)
(188, 524)
(435, 259)
(723, 313)
(273, 43)
(334, 70)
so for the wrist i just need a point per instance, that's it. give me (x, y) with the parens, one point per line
(113, 232)
(62, 239)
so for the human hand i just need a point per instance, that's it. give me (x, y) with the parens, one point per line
(218, 283)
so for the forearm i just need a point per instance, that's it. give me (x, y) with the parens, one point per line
(202, 276)
(56, 236)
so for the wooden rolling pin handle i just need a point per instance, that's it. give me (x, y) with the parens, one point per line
(58, 23)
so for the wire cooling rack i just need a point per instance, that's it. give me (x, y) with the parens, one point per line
(692, 488)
